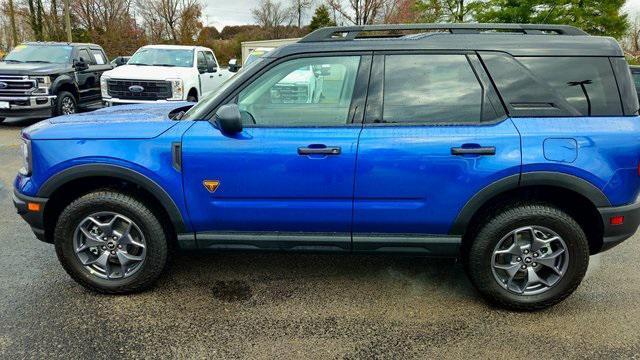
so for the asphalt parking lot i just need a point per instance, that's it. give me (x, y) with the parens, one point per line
(298, 305)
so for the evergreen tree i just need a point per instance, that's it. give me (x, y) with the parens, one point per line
(597, 17)
(321, 18)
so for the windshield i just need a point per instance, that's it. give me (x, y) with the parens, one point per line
(200, 110)
(162, 57)
(40, 54)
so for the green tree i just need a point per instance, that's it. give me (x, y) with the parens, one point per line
(597, 17)
(321, 18)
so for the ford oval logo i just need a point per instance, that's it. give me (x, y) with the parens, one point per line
(136, 88)
(3, 85)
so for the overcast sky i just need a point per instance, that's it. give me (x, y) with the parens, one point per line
(220, 13)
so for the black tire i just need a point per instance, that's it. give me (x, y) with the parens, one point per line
(479, 255)
(192, 98)
(64, 96)
(106, 200)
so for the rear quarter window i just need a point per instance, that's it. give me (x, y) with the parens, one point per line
(587, 84)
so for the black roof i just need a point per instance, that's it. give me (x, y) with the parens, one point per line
(59, 43)
(515, 39)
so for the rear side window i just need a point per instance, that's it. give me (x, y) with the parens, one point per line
(423, 89)
(100, 59)
(587, 84)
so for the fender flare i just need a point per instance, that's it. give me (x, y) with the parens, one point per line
(536, 178)
(61, 80)
(118, 172)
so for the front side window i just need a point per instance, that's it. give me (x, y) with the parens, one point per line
(202, 62)
(84, 54)
(40, 54)
(162, 57)
(427, 89)
(210, 57)
(302, 92)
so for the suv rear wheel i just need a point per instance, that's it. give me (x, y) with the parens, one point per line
(528, 257)
(110, 242)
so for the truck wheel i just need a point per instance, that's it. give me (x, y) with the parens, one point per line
(110, 242)
(65, 104)
(192, 98)
(528, 257)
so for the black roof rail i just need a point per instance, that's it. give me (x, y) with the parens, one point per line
(342, 33)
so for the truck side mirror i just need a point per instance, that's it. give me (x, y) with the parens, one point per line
(233, 65)
(228, 119)
(211, 66)
(80, 64)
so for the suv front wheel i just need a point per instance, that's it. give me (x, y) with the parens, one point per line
(111, 242)
(528, 257)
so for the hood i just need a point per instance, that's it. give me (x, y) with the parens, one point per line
(138, 72)
(11, 68)
(138, 121)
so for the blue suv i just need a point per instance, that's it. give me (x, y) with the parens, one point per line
(513, 147)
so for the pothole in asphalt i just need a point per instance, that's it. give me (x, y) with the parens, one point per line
(232, 291)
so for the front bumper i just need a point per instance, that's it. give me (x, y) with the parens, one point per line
(37, 106)
(615, 234)
(35, 219)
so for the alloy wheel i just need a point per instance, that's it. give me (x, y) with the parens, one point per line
(530, 260)
(68, 106)
(109, 245)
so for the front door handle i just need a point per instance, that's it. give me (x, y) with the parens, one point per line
(319, 150)
(482, 150)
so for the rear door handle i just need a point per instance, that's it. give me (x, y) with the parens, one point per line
(483, 150)
(320, 150)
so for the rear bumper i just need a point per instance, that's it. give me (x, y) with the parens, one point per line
(35, 219)
(29, 106)
(615, 234)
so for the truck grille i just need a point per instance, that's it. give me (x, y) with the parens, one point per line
(151, 90)
(13, 85)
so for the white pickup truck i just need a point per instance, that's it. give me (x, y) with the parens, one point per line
(160, 73)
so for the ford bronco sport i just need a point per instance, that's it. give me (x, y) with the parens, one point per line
(513, 147)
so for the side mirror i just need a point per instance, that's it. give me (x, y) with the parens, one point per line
(80, 64)
(228, 119)
(233, 65)
(211, 66)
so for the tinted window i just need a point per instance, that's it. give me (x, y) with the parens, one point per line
(210, 57)
(636, 78)
(578, 80)
(83, 53)
(302, 92)
(202, 63)
(431, 89)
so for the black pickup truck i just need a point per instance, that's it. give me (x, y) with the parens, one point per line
(44, 79)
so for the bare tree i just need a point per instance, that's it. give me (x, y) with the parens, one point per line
(12, 22)
(171, 18)
(359, 12)
(299, 8)
(271, 15)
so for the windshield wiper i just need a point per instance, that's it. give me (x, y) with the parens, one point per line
(38, 61)
(169, 65)
(11, 60)
(139, 64)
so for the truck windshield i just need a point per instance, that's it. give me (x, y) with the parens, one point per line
(40, 54)
(162, 57)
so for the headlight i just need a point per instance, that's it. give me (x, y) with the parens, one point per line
(43, 84)
(104, 88)
(176, 89)
(26, 157)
